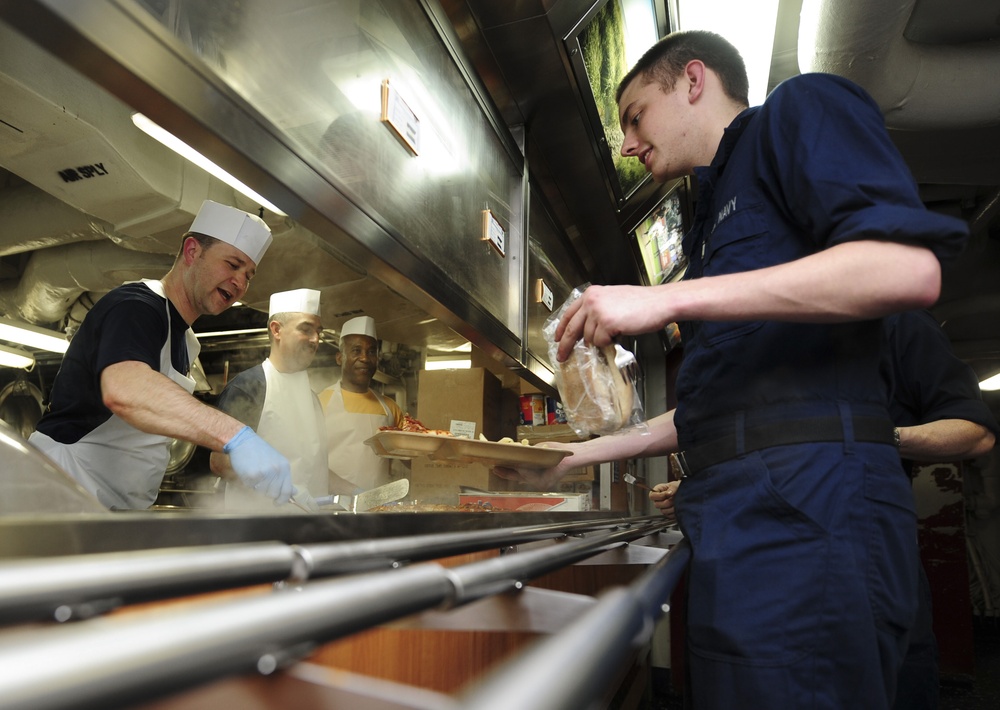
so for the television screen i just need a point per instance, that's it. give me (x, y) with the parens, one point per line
(610, 42)
(659, 238)
(602, 46)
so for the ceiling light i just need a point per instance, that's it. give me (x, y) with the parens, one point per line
(184, 150)
(223, 333)
(32, 336)
(12, 357)
(447, 363)
(449, 350)
(749, 26)
(990, 384)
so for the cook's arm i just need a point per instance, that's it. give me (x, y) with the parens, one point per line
(945, 440)
(151, 402)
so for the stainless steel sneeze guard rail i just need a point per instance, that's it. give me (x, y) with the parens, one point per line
(621, 620)
(80, 586)
(121, 660)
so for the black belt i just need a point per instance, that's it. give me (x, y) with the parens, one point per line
(782, 433)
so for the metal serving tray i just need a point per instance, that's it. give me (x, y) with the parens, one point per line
(406, 444)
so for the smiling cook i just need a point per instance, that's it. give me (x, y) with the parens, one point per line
(354, 412)
(123, 391)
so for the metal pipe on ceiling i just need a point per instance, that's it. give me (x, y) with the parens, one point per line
(917, 85)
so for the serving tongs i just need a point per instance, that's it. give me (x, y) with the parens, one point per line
(633, 481)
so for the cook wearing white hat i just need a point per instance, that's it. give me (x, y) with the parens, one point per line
(119, 380)
(361, 325)
(294, 329)
(300, 300)
(354, 412)
(276, 400)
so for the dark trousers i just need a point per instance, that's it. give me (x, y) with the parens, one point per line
(803, 579)
(918, 687)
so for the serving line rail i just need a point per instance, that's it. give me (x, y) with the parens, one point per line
(126, 659)
(82, 586)
(593, 647)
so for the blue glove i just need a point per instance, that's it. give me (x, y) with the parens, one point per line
(258, 466)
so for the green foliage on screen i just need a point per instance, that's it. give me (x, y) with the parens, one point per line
(602, 45)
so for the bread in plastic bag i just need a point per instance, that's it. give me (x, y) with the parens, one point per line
(596, 385)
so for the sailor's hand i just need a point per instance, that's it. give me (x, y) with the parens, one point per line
(539, 479)
(602, 313)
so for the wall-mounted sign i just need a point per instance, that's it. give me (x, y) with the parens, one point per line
(543, 294)
(493, 232)
(397, 114)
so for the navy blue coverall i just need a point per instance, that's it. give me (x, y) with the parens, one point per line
(803, 577)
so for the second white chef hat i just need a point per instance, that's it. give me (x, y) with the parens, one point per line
(300, 300)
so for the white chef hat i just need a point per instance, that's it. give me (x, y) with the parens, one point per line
(362, 325)
(300, 300)
(245, 231)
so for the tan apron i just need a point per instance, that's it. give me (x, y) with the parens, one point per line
(350, 458)
(116, 462)
(292, 422)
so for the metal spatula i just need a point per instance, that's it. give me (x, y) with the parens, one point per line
(367, 500)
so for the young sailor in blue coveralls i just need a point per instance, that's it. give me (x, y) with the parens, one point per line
(808, 229)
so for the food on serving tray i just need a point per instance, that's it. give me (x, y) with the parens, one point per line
(504, 440)
(413, 425)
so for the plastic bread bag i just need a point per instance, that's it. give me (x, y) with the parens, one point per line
(597, 386)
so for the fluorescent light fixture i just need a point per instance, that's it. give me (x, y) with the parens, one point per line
(32, 336)
(223, 333)
(990, 384)
(12, 357)
(748, 25)
(184, 150)
(447, 363)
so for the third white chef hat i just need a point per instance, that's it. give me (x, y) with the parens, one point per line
(300, 300)
(245, 231)
(362, 325)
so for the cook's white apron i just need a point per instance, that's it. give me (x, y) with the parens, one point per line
(350, 458)
(116, 462)
(292, 422)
